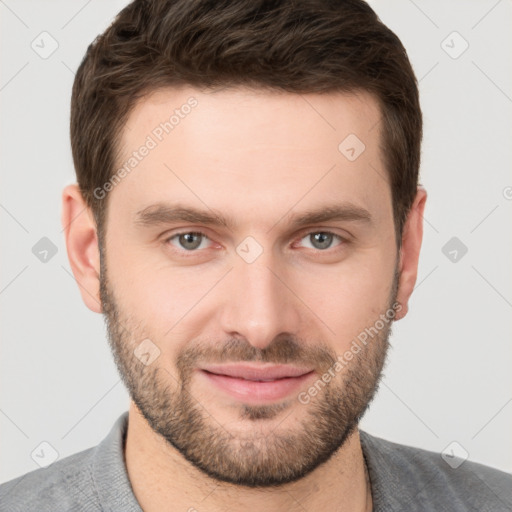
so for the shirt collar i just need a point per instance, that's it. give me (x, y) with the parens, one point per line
(109, 470)
(386, 478)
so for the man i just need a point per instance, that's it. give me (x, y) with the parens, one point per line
(248, 218)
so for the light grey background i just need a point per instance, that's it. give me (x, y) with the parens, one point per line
(448, 376)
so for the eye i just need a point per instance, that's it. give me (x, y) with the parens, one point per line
(189, 240)
(322, 240)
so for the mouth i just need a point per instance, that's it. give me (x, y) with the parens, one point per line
(256, 383)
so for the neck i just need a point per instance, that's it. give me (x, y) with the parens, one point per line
(162, 479)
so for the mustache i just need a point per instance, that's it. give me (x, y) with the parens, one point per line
(284, 349)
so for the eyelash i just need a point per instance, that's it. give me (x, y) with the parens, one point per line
(186, 253)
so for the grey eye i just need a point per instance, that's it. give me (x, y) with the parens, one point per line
(321, 239)
(189, 241)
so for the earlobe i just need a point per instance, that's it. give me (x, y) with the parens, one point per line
(82, 245)
(410, 251)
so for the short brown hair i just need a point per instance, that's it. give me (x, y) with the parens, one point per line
(297, 46)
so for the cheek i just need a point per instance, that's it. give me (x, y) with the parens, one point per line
(152, 294)
(350, 297)
(171, 303)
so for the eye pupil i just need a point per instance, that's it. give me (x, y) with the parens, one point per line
(324, 239)
(187, 240)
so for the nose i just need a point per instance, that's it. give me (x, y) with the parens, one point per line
(259, 304)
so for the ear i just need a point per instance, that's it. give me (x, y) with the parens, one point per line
(82, 245)
(410, 251)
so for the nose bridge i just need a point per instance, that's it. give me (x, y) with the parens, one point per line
(258, 306)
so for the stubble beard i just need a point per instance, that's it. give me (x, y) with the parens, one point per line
(257, 456)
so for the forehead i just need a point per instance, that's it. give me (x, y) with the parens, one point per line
(249, 151)
(238, 111)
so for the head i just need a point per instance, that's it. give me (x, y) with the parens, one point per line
(247, 192)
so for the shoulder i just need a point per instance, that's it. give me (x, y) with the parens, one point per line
(67, 482)
(426, 480)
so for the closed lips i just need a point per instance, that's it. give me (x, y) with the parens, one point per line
(261, 374)
(245, 378)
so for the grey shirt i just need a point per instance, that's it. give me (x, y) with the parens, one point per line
(402, 478)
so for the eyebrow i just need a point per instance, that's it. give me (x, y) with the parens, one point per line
(162, 213)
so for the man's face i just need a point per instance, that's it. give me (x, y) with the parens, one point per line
(184, 295)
